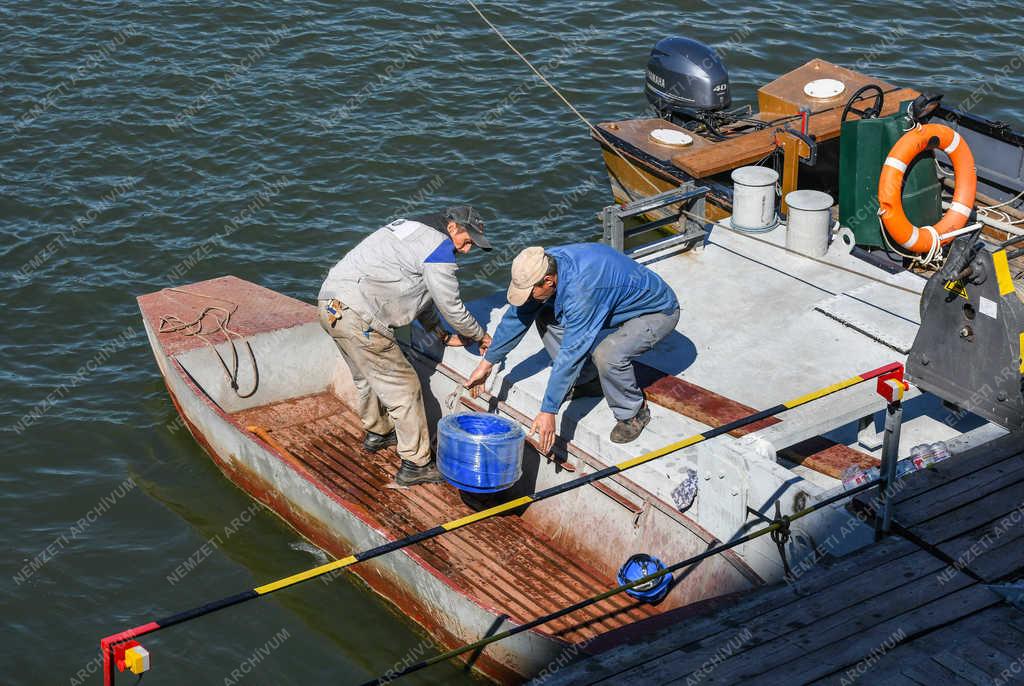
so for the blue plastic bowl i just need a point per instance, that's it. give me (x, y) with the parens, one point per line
(639, 566)
(480, 452)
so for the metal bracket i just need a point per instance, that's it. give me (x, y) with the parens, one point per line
(690, 231)
(807, 139)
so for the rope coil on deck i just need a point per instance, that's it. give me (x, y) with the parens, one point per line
(170, 323)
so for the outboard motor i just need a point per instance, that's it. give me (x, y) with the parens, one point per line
(686, 80)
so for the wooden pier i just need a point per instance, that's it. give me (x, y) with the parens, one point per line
(913, 609)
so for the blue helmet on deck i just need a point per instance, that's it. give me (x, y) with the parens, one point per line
(639, 566)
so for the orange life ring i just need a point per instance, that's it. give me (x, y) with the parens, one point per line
(890, 186)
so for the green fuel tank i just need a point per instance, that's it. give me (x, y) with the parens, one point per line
(863, 147)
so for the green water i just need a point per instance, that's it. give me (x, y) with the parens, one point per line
(137, 139)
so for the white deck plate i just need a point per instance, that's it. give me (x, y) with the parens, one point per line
(882, 314)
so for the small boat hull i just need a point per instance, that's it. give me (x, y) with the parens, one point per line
(294, 445)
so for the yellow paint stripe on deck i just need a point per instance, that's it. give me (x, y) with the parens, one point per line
(1003, 277)
(804, 399)
(308, 574)
(484, 514)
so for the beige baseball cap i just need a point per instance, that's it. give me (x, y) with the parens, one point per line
(528, 268)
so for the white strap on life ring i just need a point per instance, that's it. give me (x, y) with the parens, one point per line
(953, 144)
(960, 208)
(896, 164)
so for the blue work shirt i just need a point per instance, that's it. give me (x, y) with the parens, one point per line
(598, 288)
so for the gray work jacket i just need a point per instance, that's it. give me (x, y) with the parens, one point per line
(397, 274)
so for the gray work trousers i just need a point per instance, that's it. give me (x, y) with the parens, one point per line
(387, 387)
(612, 359)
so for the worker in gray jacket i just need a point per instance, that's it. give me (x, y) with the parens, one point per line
(397, 274)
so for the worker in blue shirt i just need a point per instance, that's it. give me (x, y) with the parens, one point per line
(574, 293)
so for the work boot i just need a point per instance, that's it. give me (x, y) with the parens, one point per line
(374, 442)
(627, 430)
(410, 474)
(590, 389)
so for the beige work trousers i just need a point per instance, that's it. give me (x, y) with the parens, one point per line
(388, 389)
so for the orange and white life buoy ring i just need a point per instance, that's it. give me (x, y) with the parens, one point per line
(890, 187)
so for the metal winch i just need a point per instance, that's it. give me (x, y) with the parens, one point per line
(968, 350)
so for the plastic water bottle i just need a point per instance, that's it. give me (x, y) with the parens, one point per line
(925, 455)
(921, 455)
(855, 476)
(936, 452)
(905, 466)
(940, 451)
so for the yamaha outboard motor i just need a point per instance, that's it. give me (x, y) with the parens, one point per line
(686, 80)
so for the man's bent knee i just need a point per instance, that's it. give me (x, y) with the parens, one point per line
(608, 355)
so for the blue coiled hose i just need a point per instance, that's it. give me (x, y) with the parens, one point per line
(480, 452)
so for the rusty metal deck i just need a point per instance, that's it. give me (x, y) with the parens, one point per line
(501, 563)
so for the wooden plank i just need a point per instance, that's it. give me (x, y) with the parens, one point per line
(707, 407)
(830, 656)
(906, 661)
(960, 465)
(926, 480)
(785, 94)
(965, 639)
(825, 456)
(982, 550)
(1000, 561)
(995, 629)
(927, 672)
(960, 492)
(750, 147)
(826, 575)
(962, 668)
(891, 674)
(968, 647)
(989, 507)
(637, 132)
(821, 619)
(696, 402)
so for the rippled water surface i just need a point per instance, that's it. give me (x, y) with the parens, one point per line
(137, 139)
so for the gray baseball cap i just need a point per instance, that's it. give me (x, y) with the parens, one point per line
(469, 219)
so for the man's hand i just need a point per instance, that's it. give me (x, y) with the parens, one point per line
(544, 427)
(478, 377)
(485, 343)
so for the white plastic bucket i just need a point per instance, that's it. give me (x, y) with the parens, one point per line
(810, 219)
(753, 199)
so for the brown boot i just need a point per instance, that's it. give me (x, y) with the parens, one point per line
(628, 430)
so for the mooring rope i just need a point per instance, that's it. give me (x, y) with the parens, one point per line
(170, 323)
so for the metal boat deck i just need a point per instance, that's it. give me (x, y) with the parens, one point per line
(502, 562)
(915, 611)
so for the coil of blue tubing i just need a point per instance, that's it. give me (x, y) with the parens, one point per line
(639, 566)
(480, 452)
